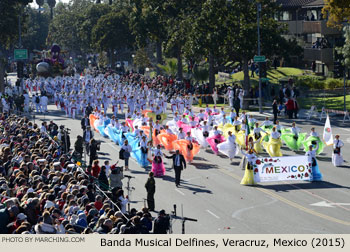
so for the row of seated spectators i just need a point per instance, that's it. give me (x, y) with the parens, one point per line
(42, 191)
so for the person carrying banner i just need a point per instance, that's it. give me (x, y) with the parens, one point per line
(313, 139)
(248, 163)
(317, 176)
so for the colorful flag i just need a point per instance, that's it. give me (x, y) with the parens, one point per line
(327, 132)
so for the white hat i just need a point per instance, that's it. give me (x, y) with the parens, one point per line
(49, 204)
(21, 216)
(63, 187)
(55, 179)
(56, 164)
(42, 160)
(30, 190)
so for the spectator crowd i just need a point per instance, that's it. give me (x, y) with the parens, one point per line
(43, 191)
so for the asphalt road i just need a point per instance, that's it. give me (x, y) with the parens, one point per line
(212, 194)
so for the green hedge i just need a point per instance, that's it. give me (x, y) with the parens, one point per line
(334, 83)
(310, 82)
(317, 82)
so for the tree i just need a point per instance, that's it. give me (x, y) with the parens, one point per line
(148, 26)
(91, 15)
(170, 67)
(241, 40)
(112, 33)
(344, 51)
(65, 27)
(206, 33)
(201, 73)
(36, 29)
(173, 15)
(10, 10)
(141, 59)
(337, 11)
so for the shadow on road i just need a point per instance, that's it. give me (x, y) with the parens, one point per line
(324, 159)
(194, 189)
(168, 178)
(204, 166)
(199, 158)
(209, 151)
(344, 167)
(300, 186)
(139, 172)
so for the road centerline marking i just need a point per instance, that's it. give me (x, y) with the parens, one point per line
(210, 212)
(180, 192)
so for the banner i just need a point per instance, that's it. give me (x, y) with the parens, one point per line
(327, 132)
(282, 168)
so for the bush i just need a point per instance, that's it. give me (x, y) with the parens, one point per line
(310, 82)
(334, 83)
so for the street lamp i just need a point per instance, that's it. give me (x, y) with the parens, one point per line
(133, 57)
(51, 4)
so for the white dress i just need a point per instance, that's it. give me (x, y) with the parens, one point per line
(229, 147)
(337, 159)
(215, 97)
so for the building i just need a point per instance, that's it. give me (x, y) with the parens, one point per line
(306, 23)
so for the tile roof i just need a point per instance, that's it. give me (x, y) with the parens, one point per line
(315, 3)
(294, 3)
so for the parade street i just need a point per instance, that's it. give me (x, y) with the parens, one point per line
(210, 190)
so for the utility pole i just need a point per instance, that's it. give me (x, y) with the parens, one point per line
(259, 54)
(20, 29)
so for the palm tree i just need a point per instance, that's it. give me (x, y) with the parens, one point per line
(170, 67)
(201, 73)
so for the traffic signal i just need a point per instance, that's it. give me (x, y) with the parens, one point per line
(338, 70)
(20, 66)
(263, 70)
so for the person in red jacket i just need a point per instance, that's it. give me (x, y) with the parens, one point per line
(98, 202)
(95, 169)
(290, 107)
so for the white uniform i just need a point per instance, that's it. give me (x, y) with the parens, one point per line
(43, 102)
(337, 158)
